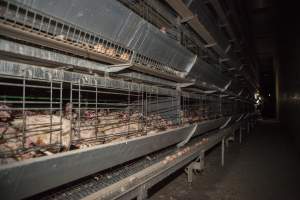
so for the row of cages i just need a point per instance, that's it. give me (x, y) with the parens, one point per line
(33, 21)
(42, 117)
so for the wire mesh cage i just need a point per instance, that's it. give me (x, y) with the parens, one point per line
(45, 111)
(44, 116)
(45, 26)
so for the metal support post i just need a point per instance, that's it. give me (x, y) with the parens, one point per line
(195, 167)
(142, 193)
(248, 127)
(241, 131)
(223, 152)
(230, 138)
(227, 142)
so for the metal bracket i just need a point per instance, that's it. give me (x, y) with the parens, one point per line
(208, 91)
(230, 138)
(182, 85)
(120, 67)
(231, 69)
(228, 48)
(240, 117)
(226, 87)
(226, 123)
(221, 60)
(117, 68)
(187, 139)
(224, 95)
(195, 167)
(246, 116)
(240, 93)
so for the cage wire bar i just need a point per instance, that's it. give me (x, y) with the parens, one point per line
(32, 21)
(46, 111)
(48, 116)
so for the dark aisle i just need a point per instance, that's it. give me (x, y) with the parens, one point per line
(265, 166)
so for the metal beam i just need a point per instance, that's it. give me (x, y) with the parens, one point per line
(183, 11)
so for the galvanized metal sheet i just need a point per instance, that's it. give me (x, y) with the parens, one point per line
(16, 69)
(204, 72)
(15, 49)
(116, 22)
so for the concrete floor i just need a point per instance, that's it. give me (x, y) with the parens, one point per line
(266, 166)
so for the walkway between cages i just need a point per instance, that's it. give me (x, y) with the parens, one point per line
(265, 166)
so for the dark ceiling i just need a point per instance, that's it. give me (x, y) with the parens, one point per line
(273, 31)
(261, 32)
(261, 16)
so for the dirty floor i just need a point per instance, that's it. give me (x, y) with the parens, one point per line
(266, 166)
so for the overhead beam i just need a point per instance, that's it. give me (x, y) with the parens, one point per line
(184, 12)
(195, 23)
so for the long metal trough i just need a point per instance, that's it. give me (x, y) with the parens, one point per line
(29, 177)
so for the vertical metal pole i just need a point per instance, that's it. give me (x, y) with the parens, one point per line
(6, 10)
(41, 24)
(51, 106)
(227, 142)
(79, 109)
(137, 105)
(146, 110)
(172, 108)
(189, 171)
(96, 107)
(241, 131)
(276, 71)
(221, 106)
(24, 113)
(55, 27)
(49, 25)
(157, 120)
(142, 108)
(223, 152)
(71, 114)
(60, 113)
(16, 14)
(248, 126)
(178, 107)
(33, 21)
(142, 193)
(25, 18)
(202, 162)
(128, 109)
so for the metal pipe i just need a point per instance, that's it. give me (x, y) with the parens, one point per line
(223, 152)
